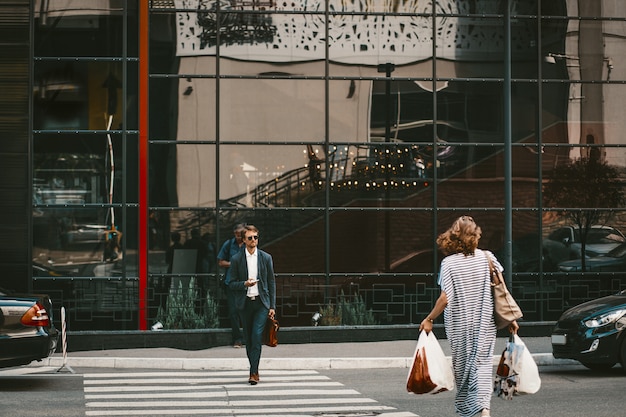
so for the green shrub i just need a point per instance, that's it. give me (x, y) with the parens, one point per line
(330, 316)
(354, 312)
(349, 311)
(182, 310)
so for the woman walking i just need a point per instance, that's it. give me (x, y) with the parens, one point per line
(467, 303)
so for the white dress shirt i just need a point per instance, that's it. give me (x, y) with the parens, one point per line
(253, 270)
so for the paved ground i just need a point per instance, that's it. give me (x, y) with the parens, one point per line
(387, 354)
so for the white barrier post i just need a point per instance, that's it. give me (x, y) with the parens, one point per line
(64, 343)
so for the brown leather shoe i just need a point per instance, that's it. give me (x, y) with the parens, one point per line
(254, 379)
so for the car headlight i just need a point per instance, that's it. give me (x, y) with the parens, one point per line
(604, 319)
(567, 268)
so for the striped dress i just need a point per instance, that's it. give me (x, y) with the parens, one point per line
(470, 327)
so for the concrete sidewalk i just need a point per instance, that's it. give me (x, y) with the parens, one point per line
(353, 355)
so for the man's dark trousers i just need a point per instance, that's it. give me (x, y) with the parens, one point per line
(254, 316)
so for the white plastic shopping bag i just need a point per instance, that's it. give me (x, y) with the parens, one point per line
(529, 381)
(431, 372)
(517, 371)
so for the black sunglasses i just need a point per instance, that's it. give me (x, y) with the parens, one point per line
(255, 237)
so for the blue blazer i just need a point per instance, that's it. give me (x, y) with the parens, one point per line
(265, 275)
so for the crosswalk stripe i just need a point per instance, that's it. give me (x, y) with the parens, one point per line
(233, 412)
(242, 403)
(210, 387)
(213, 380)
(217, 393)
(197, 373)
(204, 394)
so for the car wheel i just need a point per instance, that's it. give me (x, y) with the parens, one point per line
(598, 366)
(622, 354)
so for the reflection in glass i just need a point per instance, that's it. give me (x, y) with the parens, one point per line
(76, 242)
(525, 250)
(295, 238)
(303, 146)
(562, 240)
(285, 110)
(263, 175)
(398, 241)
(194, 176)
(69, 178)
(163, 179)
(369, 40)
(84, 168)
(296, 175)
(525, 184)
(84, 28)
(70, 95)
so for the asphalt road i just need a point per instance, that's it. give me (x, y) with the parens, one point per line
(566, 391)
(570, 390)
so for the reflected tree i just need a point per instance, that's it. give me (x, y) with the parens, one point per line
(586, 191)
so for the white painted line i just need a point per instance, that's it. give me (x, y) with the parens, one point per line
(205, 380)
(241, 386)
(195, 373)
(230, 412)
(300, 401)
(150, 394)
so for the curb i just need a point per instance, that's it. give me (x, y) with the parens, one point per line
(224, 364)
(208, 338)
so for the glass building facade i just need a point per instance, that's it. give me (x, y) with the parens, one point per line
(351, 133)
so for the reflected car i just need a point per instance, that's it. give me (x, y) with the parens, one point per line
(27, 332)
(564, 244)
(84, 234)
(593, 333)
(526, 255)
(614, 261)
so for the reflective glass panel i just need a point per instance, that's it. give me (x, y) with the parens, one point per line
(584, 113)
(359, 43)
(84, 168)
(190, 175)
(77, 242)
(295, 238)
(194, 101)
(349, 117)
(70, 95)
(525, 247)
(265, 175)
(277, 110)
(183, 245)
(525, 185)
(85, 28)
(471, 177)
(393, 241)
(366, 175)
(604, 241)
(599, 172)
(474, 44)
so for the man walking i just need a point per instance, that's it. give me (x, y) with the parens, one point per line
(252, 280)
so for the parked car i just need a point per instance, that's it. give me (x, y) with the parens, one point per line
(593, 333)
(614, 261)
(564, 244)
(26, 330)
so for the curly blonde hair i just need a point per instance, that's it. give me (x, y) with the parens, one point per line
(461, 237)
